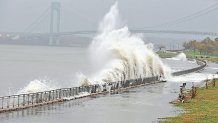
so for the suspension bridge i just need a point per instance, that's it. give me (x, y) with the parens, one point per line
(54, 34)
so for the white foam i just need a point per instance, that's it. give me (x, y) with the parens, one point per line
(36, 86)
(119, 55)
(214, 68)
(181, 57)
(192, 77)
(82, 94)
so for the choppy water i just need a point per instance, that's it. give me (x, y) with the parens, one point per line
(21, 64)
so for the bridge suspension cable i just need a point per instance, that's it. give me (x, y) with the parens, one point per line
(190, 17)
(37, 21)
(71, 13)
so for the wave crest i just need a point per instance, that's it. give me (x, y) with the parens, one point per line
(119, 55)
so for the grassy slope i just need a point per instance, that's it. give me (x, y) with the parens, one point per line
(191, 54)
(165, 54)
(202, 109)
(212, 59)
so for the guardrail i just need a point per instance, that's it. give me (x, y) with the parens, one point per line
(202, 64)
(22, 101)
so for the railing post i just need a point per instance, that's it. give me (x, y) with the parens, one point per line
(70, 93)
(60, 93)
(49, 96)
(77, 90)
(8, 102)
(73, 93)
(56, 94)
(41, 97)
(53, 95)
(64, 93)
(93, 88)
(117, 85)
(37, 98)
(32, 98)
(13, 100)
(28, 99)
(96, 88)
(2, 102)
(18, 99)
(23, 99)
(89, 90)
(44, 96)
(80, 89)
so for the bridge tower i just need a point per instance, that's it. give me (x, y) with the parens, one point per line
(55, 23)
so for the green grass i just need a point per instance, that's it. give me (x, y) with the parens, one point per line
(191, 54)
(209, 57)
(166, 54)
(212, 59)
(202, 109)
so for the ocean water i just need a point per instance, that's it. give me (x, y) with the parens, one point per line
(58, 66)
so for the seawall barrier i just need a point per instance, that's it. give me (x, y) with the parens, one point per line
(22, 101)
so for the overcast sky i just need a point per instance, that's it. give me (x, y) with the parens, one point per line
(18, 15)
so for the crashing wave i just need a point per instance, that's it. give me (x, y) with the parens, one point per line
(180, 56)
(119, 55)
(36, 86)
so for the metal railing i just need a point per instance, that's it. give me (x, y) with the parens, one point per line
(202, 64)
(21, 101)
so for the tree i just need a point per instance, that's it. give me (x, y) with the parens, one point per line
(206, 40)
(190, 45)
(206, 46)
(201, 47)
(210, 49)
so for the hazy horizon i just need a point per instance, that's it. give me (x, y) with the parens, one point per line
(17, 15)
